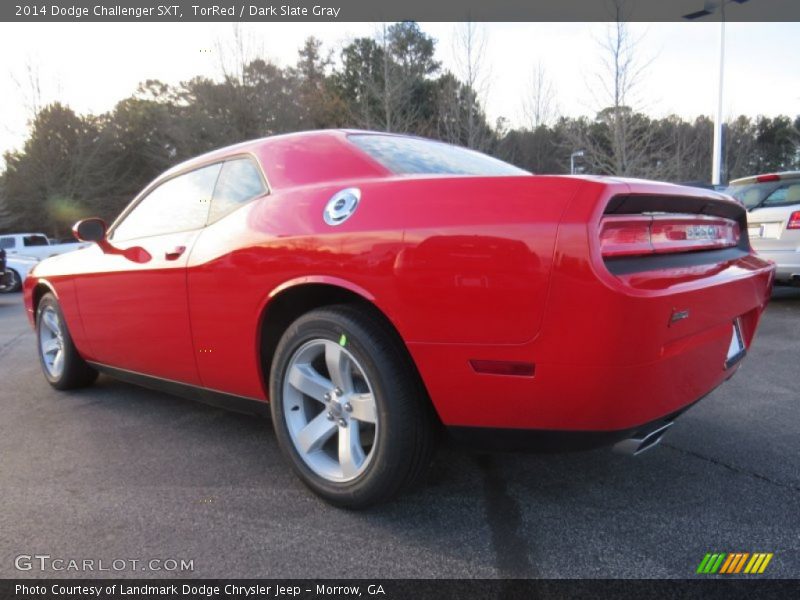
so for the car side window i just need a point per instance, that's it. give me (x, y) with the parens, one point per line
(239, 182)
(178, 204)
(6, 242)
(34, 240)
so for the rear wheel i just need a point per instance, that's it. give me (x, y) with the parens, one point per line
(348, 408)
(61, 364)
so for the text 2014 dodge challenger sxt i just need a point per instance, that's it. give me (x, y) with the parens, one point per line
(369, 288)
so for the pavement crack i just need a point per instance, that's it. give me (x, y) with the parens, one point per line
(505, 522)
(733, 468)
(10, 342)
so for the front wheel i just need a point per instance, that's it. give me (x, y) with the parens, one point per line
(348, 408)
(11, 282)
(62, 366)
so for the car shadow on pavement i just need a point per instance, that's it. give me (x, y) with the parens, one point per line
(785, 293)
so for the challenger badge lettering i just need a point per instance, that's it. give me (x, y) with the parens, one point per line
(678, 315)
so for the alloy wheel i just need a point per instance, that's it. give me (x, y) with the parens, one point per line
(330, 410)
(51, 342)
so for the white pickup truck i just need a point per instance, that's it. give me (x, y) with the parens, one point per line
(36, 245)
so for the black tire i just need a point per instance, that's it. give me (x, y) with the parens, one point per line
(403, 450)
(76, 373)
(12, 283)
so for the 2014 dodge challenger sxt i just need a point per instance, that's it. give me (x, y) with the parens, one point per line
(368, 289)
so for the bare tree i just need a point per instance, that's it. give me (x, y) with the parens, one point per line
(678, 151)
(407, 59)
(246, 91)
(380, 79)
(7, 217)
(619, 142)
(29, 85)
(392, 88)
(235, 53)
(539, 103)
(469, 50)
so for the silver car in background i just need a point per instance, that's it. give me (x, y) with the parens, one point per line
(773, 219)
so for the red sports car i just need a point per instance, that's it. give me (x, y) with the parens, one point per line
(369, 289)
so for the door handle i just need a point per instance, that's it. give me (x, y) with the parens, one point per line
(175, 253)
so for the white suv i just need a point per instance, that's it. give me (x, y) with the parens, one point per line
(773, 219)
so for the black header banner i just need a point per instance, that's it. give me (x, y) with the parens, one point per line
(397, 589)
(390, 10)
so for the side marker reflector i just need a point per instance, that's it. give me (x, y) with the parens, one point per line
(503, 367)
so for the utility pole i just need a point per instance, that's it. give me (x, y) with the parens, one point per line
(572, 157)
(716, 159)
(709, 8)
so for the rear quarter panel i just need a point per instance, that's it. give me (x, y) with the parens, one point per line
(606, 354)
(477, 256)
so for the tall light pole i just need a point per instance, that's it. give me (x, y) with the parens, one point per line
(709, 8)
(716, 157)
(572, 157)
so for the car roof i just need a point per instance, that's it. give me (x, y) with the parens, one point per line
(783, 175)
(252, 146)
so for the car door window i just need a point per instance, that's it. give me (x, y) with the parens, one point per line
(7, 242)
(35, 240)
(239, 182)
(179, 204)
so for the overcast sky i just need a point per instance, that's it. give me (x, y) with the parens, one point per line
(91, 66)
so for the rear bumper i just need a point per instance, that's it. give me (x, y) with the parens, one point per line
(787, 263)
(570, 400)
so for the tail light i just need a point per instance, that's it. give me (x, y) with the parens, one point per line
(632, 235)
(794, 220)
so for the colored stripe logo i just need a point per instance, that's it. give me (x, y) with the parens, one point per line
(723, 563)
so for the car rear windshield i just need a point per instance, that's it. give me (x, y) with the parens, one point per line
(767, 193)
(412, 156)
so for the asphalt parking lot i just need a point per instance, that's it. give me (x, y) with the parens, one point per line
(119, 472)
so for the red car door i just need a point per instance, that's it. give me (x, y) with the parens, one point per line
(136, 314)
(226, 287)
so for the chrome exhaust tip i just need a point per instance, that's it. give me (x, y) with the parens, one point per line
(642, 441)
